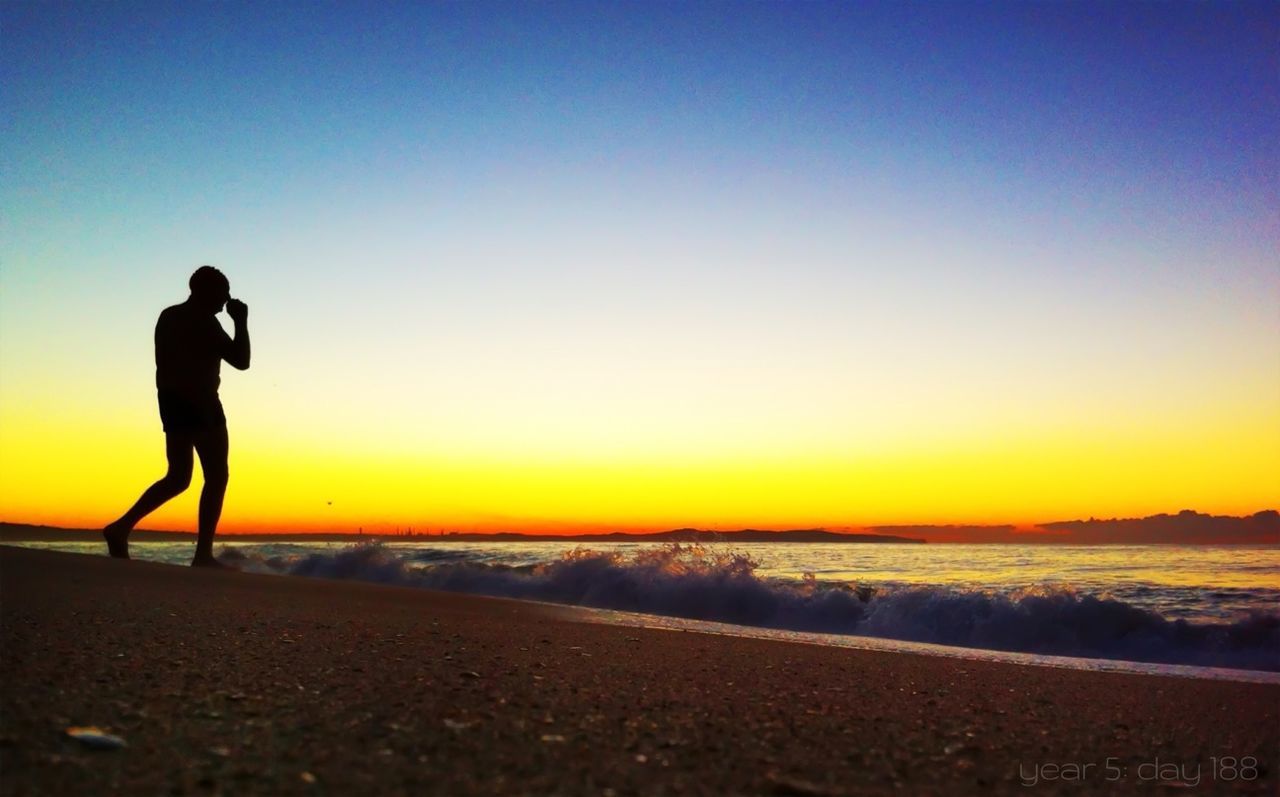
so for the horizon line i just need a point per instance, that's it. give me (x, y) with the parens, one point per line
(1059, 531)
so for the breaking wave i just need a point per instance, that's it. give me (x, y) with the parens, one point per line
(694, 582)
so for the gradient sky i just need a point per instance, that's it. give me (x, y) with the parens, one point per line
(542, 266)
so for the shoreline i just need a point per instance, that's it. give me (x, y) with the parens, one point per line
(379, 564)
(229, 681)
(638, 619)
(890, 645)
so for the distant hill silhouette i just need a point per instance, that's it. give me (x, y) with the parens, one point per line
(1186, 527)
(693, 535)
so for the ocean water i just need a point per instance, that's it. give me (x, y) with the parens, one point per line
(1203, 606)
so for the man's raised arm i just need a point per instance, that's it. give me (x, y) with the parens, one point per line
(238, 355)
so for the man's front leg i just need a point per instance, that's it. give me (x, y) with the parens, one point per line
(212, 449)
(211, 498)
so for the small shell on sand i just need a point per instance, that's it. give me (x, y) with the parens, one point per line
(95, 738)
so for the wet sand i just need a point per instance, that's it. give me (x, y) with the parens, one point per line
(226, 682)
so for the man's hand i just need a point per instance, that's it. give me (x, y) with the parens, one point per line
(238, 310)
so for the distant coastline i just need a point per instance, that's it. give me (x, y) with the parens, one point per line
(1184, 528)
(18, 532)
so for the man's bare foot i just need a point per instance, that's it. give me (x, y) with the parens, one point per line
(207, 560)
(117, 538)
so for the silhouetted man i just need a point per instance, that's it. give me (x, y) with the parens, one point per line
(190, 348)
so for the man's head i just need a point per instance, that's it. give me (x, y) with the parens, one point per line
(210, 288)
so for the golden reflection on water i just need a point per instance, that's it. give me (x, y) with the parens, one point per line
(1235, 567)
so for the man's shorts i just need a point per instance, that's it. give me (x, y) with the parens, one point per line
(183, 415)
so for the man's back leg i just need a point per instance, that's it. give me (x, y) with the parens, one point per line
(178, 448)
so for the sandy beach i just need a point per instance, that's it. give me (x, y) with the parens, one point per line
(232, 683)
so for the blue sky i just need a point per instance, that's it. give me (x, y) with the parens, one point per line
(246, 102)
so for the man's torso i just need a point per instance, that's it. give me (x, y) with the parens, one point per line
(189, 350)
